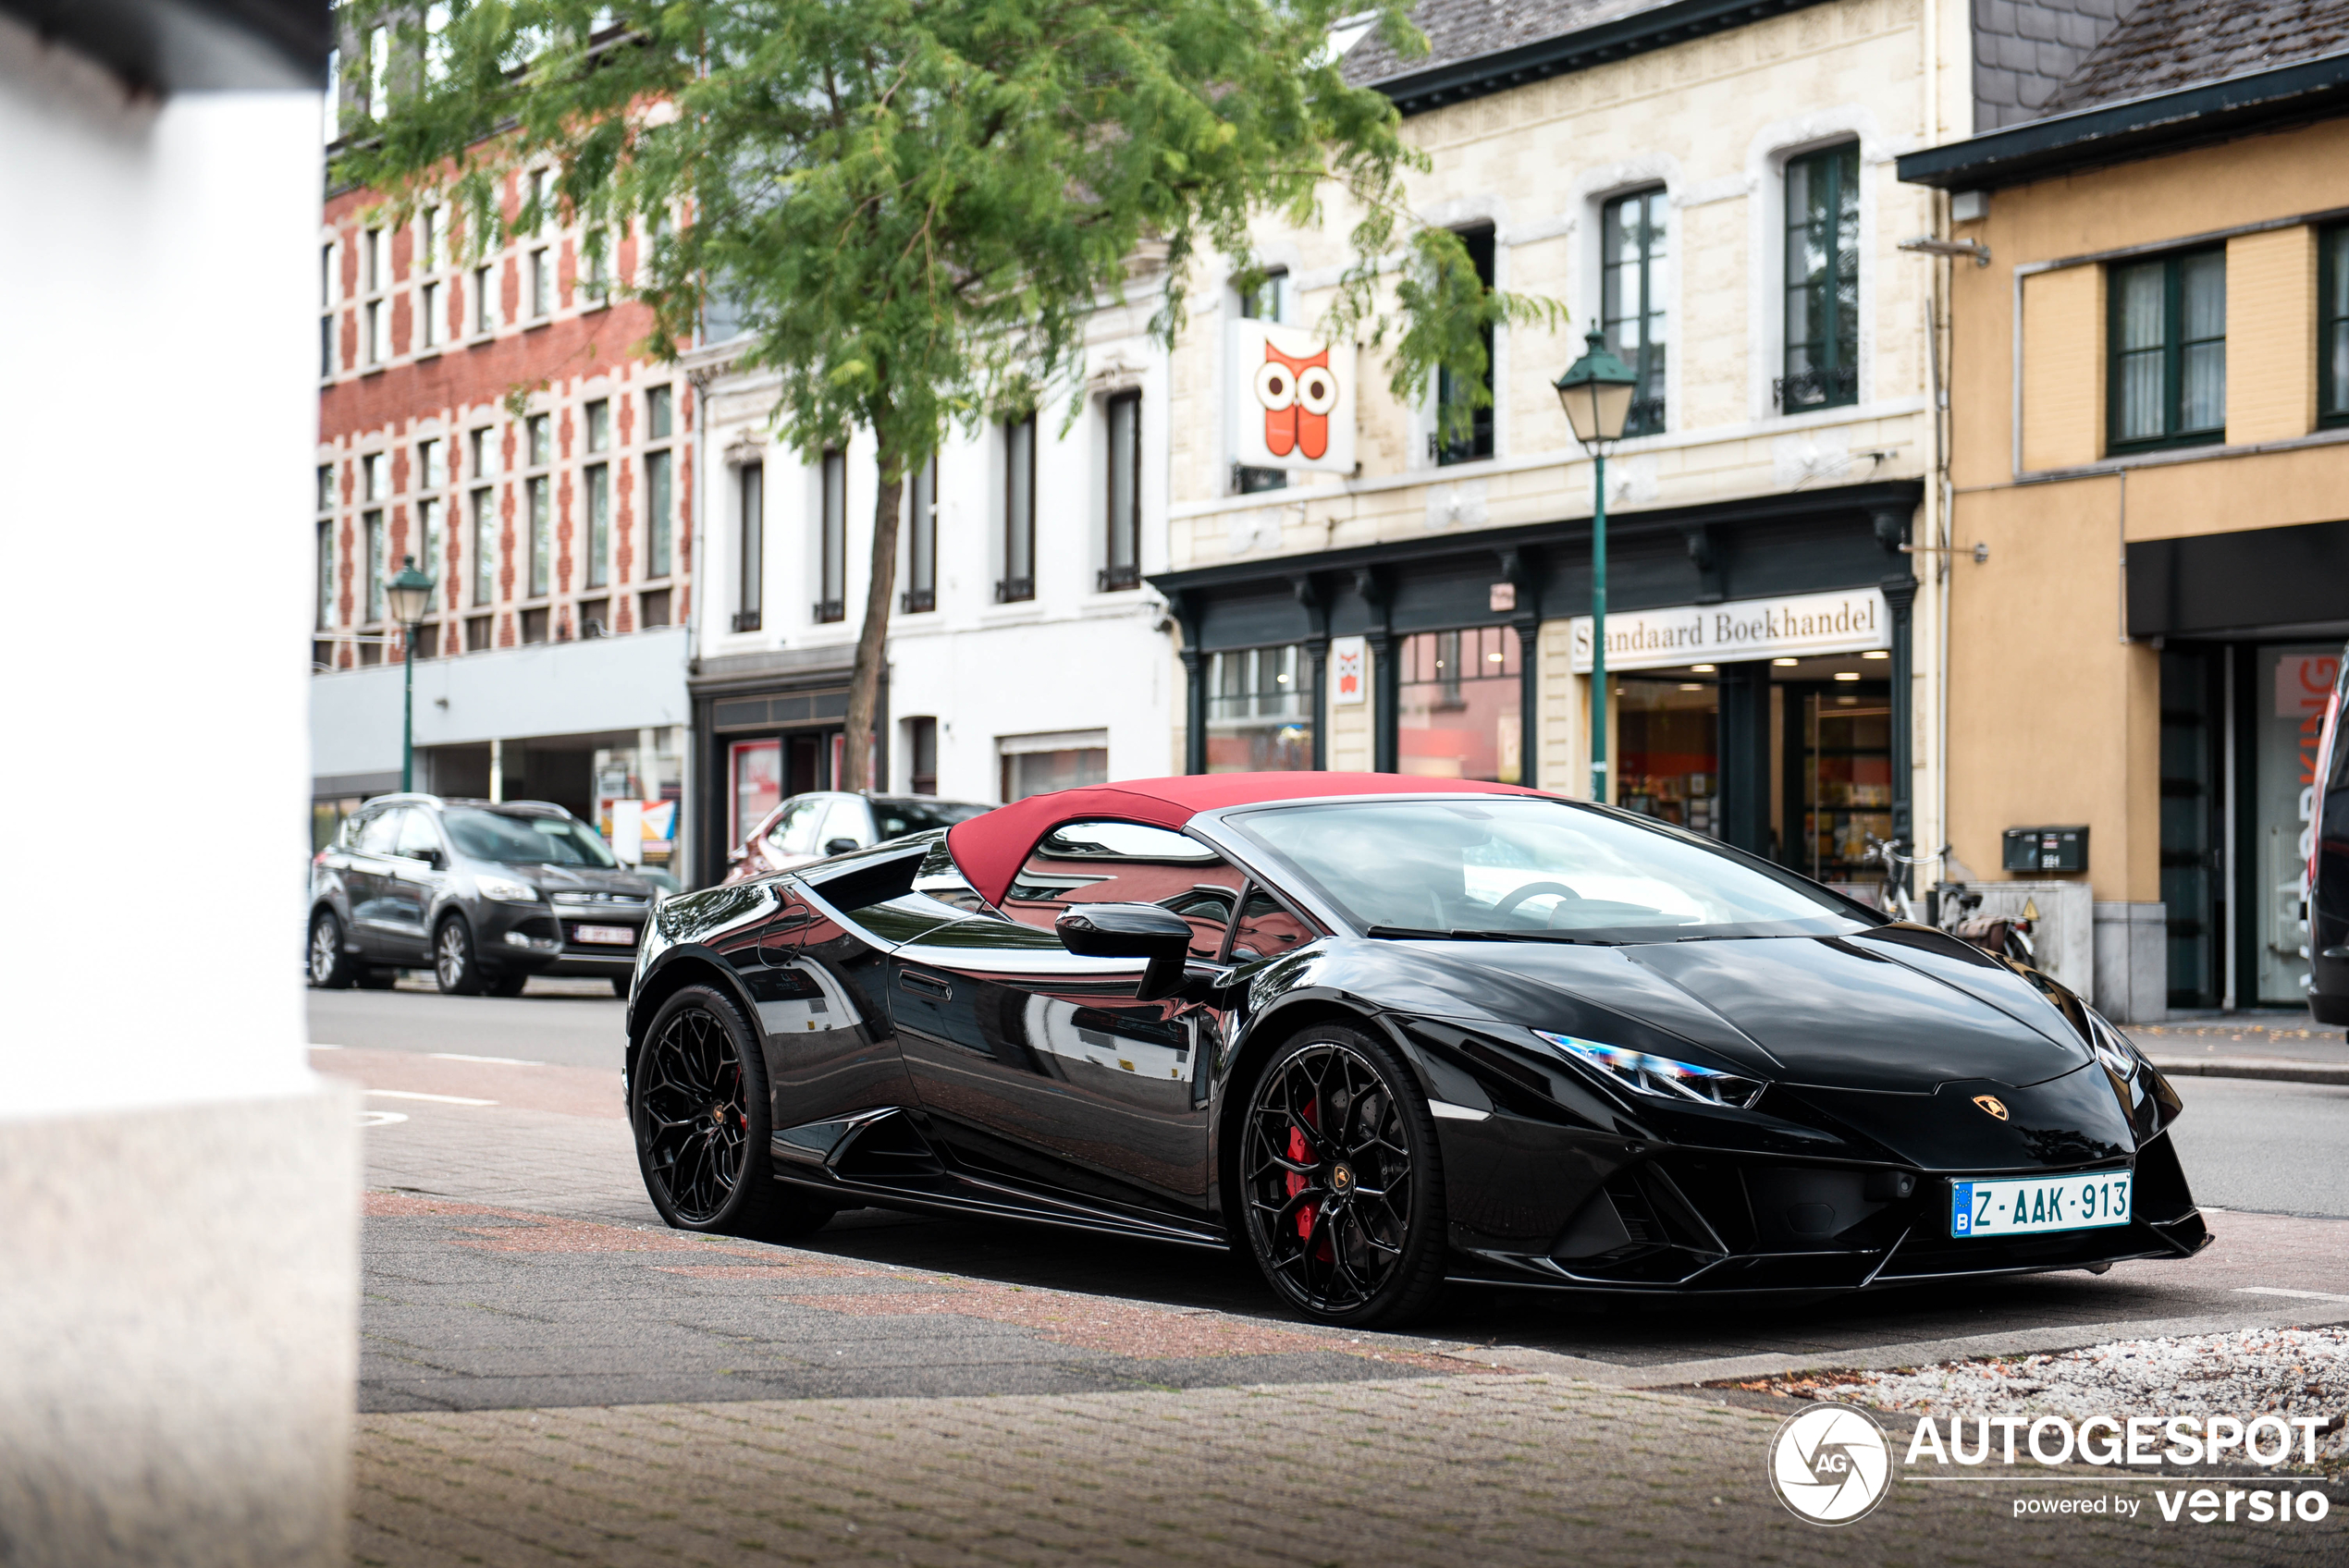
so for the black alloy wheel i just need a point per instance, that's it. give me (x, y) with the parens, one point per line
(698, 1103)
(1338, 1173)
(454, 968)
(330, 967)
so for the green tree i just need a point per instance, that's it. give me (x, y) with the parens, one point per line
(914, 206)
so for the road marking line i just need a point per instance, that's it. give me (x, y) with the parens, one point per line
(2276, 1291)
(439, 1099)
(381, 1118)
(501, 1061)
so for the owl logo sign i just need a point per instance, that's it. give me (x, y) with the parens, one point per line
(1295, 408)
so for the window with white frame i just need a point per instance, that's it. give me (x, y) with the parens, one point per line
(375, 278)
(751, 553)
(1635, 282)
(432, 479)
(1018, 582)
(432, 246)
(598, 483)
(539, 489)
(1122, 555)
(1821, 317)
(921, 539)
(1275, 300)
(832, 548)
(326, 605)
(327, 258)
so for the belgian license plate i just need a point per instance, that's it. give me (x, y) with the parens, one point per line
(2037, 1204)
(618, 936)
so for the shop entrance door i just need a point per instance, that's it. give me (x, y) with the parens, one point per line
(2190, 806)
(1838, 781)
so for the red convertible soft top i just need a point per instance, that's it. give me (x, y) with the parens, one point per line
(992, 848)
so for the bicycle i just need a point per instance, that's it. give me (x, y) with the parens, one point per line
(1950, 905)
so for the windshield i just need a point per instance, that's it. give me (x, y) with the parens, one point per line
(1533, 867)
(896, 818)
(525, 841)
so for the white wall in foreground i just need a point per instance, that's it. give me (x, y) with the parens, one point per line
(156, 430)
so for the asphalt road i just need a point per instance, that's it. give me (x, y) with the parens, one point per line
(2280, 1149)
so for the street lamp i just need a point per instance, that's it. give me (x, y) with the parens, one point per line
(1596, 394)
(405, 597)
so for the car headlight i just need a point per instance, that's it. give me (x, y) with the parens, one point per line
(2119, 1058)
(505, 891)
(1660, 1076)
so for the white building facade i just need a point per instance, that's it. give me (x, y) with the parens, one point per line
(1026, 650)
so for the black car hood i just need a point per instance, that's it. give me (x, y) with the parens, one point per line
(1863, 1011)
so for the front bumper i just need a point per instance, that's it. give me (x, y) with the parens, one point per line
(1664, 1219)
(596, 958)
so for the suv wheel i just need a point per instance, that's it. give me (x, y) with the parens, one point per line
(453, 965)
(330, 967)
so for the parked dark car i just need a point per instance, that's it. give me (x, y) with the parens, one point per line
(484, 894)
(807, 827)
(1384, 1032)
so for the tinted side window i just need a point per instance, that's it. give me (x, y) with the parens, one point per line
(1267, 930)
(1126, 862)
(381, 835)
(794, 831)
(418, 838)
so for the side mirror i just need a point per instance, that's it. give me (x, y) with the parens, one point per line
(1144, 931)
(841, 846)
(432, 858)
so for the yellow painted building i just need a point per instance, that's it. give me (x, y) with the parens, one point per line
(2149, 477)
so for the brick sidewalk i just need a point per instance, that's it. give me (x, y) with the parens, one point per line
(1440, 1471)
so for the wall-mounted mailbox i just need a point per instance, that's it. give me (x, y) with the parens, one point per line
(2047, 849)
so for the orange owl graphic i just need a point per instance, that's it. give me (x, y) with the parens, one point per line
(1297, 395)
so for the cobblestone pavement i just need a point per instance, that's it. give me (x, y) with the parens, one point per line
(1437, 1471)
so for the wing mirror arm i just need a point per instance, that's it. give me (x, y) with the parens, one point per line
(1143, 931)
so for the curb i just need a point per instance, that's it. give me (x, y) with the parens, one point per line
(2283, 1070)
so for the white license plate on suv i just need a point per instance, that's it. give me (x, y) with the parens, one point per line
(2039, 1203)
(616, 935)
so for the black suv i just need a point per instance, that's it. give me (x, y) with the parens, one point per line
(486, 894)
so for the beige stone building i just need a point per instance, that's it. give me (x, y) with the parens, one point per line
(1714, 184)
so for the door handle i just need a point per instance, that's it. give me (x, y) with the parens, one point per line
(923, 985)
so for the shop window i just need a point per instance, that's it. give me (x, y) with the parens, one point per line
(755, 781)
(1668, 751)
(2288, 691)
(752, 553)
(1018, 582)
(1822, 281)
(2332, 325)
(921, 539)
(2167, 332)
(1461, 695)
(833, 547)
(1474, 440)
(1034, 763)
(1259, 717)
(1125, 494)
(1635, 282)
(921, 753)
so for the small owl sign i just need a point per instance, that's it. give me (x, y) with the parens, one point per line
(1292, 405)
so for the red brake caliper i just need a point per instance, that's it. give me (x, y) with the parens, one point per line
(1302, 1152)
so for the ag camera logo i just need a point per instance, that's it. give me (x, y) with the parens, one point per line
(1830, 1464)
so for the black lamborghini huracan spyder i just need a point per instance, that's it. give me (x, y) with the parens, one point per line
(1386, 1032)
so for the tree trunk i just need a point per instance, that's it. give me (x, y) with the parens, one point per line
(872, 643)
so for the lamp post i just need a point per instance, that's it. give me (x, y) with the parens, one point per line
(405, 597)
(1596, 393)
